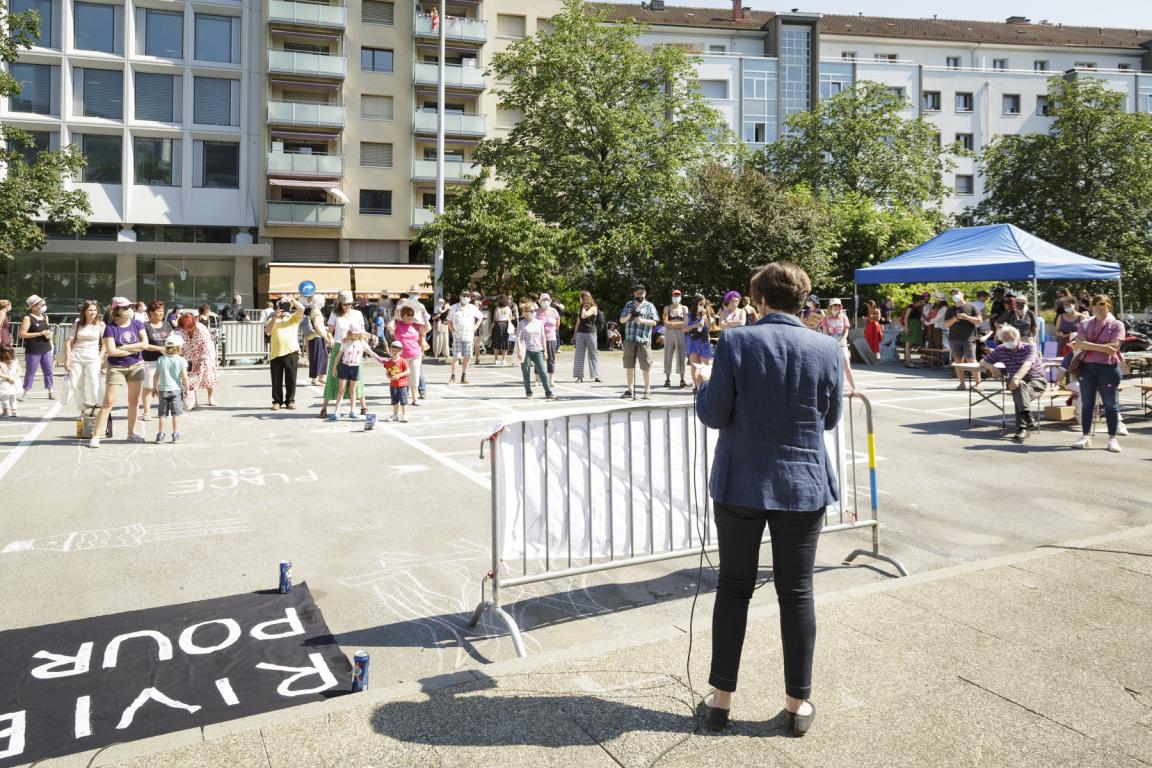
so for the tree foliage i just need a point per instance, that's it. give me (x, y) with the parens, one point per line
(860, 142)
(864, 234)
(491, 237)
(32, 190)
(1084, 185)
(608, 129)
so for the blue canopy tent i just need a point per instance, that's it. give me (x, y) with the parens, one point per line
(992, 252)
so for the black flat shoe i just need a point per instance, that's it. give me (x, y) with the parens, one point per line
(799, 724)
(714, 718)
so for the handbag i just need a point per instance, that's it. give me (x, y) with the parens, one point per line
(88, 424)
(1076, 366)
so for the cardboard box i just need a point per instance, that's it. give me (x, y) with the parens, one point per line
(1060, 412)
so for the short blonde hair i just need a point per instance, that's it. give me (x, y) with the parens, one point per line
(1008, 333)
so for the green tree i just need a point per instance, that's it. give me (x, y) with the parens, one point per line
(608, 129)
(33, 186)
(859, 141)
(863, 234)
(1085, 184)
(737, 219)
(491, 238)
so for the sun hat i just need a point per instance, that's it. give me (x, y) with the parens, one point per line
(120, 301)
(835, 303)
(346, 297)
(34, 301)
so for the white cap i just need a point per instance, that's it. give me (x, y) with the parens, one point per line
(346, 297)
(835, 303)
(175, 340)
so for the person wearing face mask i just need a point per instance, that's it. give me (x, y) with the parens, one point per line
(1021, 318)
(638, 317)
(1068, 319)
(551, 319)
(463, 320)
(1024, 375)
(530, 346)
(675, 322)
(961, 320)
(836, 325)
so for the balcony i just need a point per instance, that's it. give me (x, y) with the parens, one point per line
(422, 217)
(308, 14)
(288, 214)
(294, 164)
(455, 29)
(455, 76)
(455, 123)
(454, 170)
(302, 113)
(313, 64)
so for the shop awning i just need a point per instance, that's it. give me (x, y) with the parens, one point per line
(393, 278)
(329, 278)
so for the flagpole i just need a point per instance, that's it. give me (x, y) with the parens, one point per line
(438, 268)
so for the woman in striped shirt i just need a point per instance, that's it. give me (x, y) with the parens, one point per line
(530, 347)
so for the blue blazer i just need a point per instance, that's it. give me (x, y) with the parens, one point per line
(775, 388)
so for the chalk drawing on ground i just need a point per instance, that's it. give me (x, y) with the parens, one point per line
(129, 536)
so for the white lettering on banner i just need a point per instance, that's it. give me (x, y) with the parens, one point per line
(163, 646)
(319, 667)
(192, 649)
(231, 479)
(80, 663)
(83, 717)
(152, 694)
(260, 631)
(225, 687)
(17, 722)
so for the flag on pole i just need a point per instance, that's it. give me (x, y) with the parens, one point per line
(435, 19)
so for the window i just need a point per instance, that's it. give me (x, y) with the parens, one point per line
(964, 184)
(1043, 107)
(931, 101)
(376, 107)
(103, 158)
(966, 220)
(885, 57)
(216, 164)
(1040, 65)
(375, 155)
(963, 102)
(217, 38)
(1084, 65)
(999, 63)
(510, 26)
(99, 27)
(157, 161)
(952, 62)
(848, 55)
(39, 89)
(966, 141)
(376, 59)
(1011, 102)
(714, 89)
(99, 93)
(216, 101)
(508, 118)
(159, 97)
(47, 36)
(717, 49)
(1123, 67)
(160, 33)
(376, 202)
(898, 92)
(376, 12)
(42, 141)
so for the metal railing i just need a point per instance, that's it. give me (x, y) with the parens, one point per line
(455, 75)
(455, 123)
(454, 169)
(312, 14)
(298, 164)
(305, 63)
(242, 340)
(422, 217)
(293, 214)
(455, 28)
(586, 493)
(304, 113)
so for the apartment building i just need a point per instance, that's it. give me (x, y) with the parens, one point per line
(159, 97)
(351, 116)
(974, 80)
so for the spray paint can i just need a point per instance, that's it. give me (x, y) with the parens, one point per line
(370, 422)
(285, 576)
(360, 671)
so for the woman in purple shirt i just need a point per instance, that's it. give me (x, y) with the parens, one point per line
(1098, 341)
(125, 339)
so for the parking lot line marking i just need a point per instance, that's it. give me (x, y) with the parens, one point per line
(13, 457)
(447, 461)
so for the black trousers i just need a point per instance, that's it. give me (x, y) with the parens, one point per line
(794, 538)
(284, 378)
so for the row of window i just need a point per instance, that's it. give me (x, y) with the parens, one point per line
(100, 93)
(100, 27)
(965, 101)
(158, 162)
(955, 62)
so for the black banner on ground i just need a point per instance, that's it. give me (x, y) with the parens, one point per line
(85, 684)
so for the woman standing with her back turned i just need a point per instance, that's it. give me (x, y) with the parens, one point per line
(775, 387)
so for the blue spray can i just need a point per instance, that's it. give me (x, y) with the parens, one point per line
(285, 576)
(360, 671)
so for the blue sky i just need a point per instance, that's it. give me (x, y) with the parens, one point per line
(1125, 14)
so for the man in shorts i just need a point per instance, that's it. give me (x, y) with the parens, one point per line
(961, 320)
(463, 320)
(638, 318)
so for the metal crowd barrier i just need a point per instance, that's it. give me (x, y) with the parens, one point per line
(584, 493)
(242, 340)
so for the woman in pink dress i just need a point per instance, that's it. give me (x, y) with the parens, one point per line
(200, 352)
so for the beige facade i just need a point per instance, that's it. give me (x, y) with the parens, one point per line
(350, 118)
